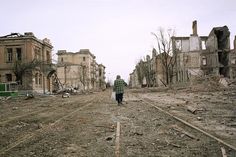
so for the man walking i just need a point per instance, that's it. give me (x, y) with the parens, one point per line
(119, 89)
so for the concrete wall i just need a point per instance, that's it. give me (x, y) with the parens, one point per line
(195, 43)
(185, 46)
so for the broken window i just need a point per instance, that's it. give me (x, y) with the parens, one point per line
(204, 60)
(48, 57)
(100, 72)
(18, 54)
(203, 45)
(178, 45)
(40, 79)
(8, 77)
(36, 78)
(61, 59)
(37, 54)
(9, 55)
(233, 60)
(83, 58)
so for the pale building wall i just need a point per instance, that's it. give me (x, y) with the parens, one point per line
(80, 59)
(194, 43)
(185, 46)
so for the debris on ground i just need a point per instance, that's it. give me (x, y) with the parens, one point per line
(29, 96)
(65, 95)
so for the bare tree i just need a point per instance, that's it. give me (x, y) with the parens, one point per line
(20, 68)
(165, 53)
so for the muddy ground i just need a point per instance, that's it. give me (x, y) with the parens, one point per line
(86, 125)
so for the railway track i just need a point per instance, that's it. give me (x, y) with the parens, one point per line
(216, 139)
(34, 133)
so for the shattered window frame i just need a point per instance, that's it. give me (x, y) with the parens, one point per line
(36, 78)
(203, 45)
(178, 45)
(40, 79)
(9, 56)
(19, 54)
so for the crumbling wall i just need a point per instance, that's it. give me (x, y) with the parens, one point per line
(211, 43)
(185, 45)
(218, 43)
(194, 43)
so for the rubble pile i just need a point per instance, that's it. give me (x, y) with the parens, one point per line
(207, 83)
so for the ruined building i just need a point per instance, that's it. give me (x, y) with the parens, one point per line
(80, 70)
(203, 55)
(151, 72)
(19, 52)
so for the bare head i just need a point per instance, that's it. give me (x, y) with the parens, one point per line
(118, 77)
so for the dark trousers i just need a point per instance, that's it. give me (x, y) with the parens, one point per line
(119, 98)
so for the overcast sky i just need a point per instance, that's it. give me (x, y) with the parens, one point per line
(117, 32)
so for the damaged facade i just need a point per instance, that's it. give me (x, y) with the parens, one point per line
(149, 72)
(193, 56)
(25, 49)
(203, 55)
(80, 70)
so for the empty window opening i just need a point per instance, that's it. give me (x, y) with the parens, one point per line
(178, 45)
(203, 45)
(8, 77)
(18, 54)
(48, 57)
(36, 78)
(204, 60)
(100, 72)
(40, 79)
(83, 58)
(9, 54)
(233, 61)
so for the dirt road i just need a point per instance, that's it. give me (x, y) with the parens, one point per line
(86, 125)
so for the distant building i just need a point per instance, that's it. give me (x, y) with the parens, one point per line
(150, 73)
(133, 79)
(101, 76)
(17, 49)
(80, 70)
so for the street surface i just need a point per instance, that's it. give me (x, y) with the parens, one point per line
(86, 125)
